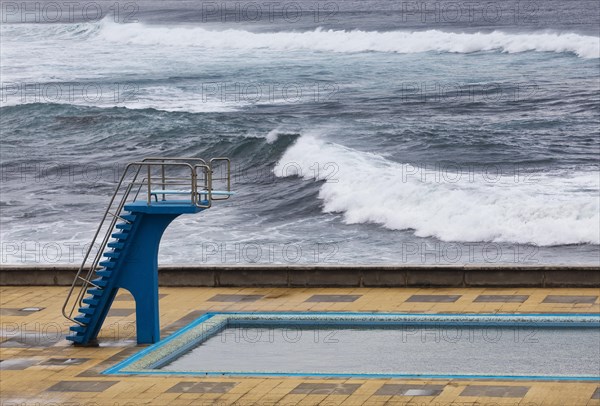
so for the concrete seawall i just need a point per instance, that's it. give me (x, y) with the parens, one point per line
(331, 276)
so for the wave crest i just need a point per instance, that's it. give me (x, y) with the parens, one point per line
(354, 41)
(549, 209)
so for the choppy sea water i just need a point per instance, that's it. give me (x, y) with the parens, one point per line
(361, 132)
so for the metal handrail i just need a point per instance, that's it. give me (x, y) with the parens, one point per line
(149, 181)
(103, 245)
(227, 178)
(174, 159)
(207, 185)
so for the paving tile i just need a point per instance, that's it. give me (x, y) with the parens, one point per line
(31, 309)
(26, 343)
(25, 311)
(11, 312)
(325, 388)
(501, 298)
(82, 386)
(421, 392)
(235, 298)
(116, 312)
(434, 298)
(64, 361)
(126, 297)
(123, 297)
(96, 370)
(495, 391)
(333, 298)
(14, 343)
(182, 322)
(202, 387)
(16, 364)
(569, 299)
(392, 389)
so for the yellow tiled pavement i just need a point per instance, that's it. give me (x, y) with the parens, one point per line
(38, 336)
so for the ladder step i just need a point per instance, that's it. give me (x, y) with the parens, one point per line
(112, 254)
(107, 264)
(95, 292)
(129, 217)
(119, 236)
(116, 245)
(83, 319)
(87, 310)
(77, 328)
(75, 338)
(123, 226)
(91, 301)
(104, 273)
(100, 282)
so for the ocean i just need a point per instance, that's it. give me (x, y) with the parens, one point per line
(361, 132)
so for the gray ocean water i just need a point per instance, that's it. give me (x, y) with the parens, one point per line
(361, 132)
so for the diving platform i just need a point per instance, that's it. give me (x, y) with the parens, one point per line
(124, 251)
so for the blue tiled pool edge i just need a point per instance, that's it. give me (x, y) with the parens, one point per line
(220, 319)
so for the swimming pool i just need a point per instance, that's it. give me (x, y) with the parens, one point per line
(490, 346)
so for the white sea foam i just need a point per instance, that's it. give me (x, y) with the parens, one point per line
(273, 135)
(353, 41)
(96, 53)
(544, 209)
(163, 98)
(585, 46)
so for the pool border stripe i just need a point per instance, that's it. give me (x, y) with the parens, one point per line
(591, 320)
(137, 356)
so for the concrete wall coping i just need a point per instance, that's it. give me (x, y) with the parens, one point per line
(332, 275)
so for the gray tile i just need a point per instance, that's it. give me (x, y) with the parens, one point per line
(393, 389)
(434, 298)
(202, 387)
(96, 370)
(421, 392)
(81, 386)
(32, 341)
(182, 322)
(31, 309)
(127, 296)
(26, 311)
(501, 298)
(235, 298)
(17, 364)
(13, 343)
(495, 391)
(64, 361)
(115, 312)
(596, 394)
(181, 387)
(333, 298)
(569, 299)
(30, 338)
(10, 312)
(325, 388)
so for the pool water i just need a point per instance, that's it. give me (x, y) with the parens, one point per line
(487, 346)
(404, 350)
